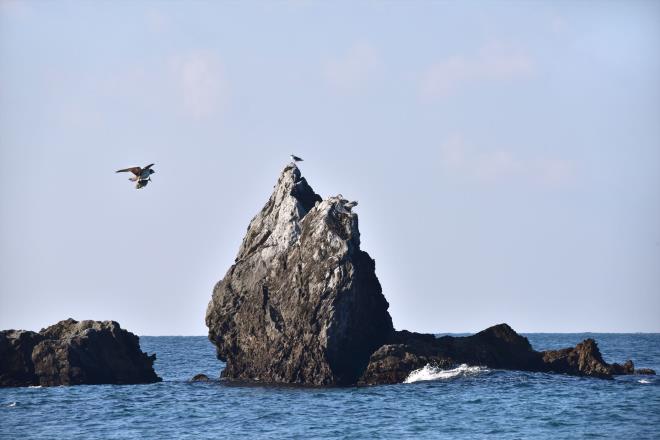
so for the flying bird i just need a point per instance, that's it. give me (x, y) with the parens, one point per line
(140, 175)
(296, 158)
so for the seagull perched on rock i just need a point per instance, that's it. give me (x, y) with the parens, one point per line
(141, 175)
(296, 158)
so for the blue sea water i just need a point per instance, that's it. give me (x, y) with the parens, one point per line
(466, 403)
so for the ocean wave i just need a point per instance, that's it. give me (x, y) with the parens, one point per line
(12, 404)
(644, 381)
(430, 372)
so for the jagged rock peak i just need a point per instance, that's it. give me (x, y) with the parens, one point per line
(302, 303)
(277, 226)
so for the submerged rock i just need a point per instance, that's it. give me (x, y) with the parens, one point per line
(200, 378)
(302, 305)
(73, 353)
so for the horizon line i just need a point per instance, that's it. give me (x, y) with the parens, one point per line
(468, 333)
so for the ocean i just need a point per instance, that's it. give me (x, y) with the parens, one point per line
(468, 402)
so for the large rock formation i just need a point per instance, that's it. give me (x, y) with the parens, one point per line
(302, 304)
(72, 353)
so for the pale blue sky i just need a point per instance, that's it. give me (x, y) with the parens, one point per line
(506, 155)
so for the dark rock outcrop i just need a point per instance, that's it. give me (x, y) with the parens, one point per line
(584, 359)
(302, 305)
(392, 363)
(73, 353)
(16, 367)
(496, 347)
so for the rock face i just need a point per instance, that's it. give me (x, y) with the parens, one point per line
(16, 367)
(302, 305)
(72, 353)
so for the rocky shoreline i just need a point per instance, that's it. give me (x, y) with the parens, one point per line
(302, 305)
(74, 353)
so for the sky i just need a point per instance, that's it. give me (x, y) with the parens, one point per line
(505, 155)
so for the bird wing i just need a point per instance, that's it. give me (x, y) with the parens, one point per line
(134, 170)
(148, 166)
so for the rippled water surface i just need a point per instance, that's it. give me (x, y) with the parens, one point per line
(470, 403)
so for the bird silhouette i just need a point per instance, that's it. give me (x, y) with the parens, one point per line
(140, 175)
(296, 158)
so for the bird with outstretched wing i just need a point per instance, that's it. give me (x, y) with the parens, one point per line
(140, 175)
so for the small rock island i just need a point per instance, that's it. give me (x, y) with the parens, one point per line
(302, 305)
(74, 353)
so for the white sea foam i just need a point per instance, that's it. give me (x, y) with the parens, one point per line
(35, 386)
(644, 381)
(13, 404)
(430, 372)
